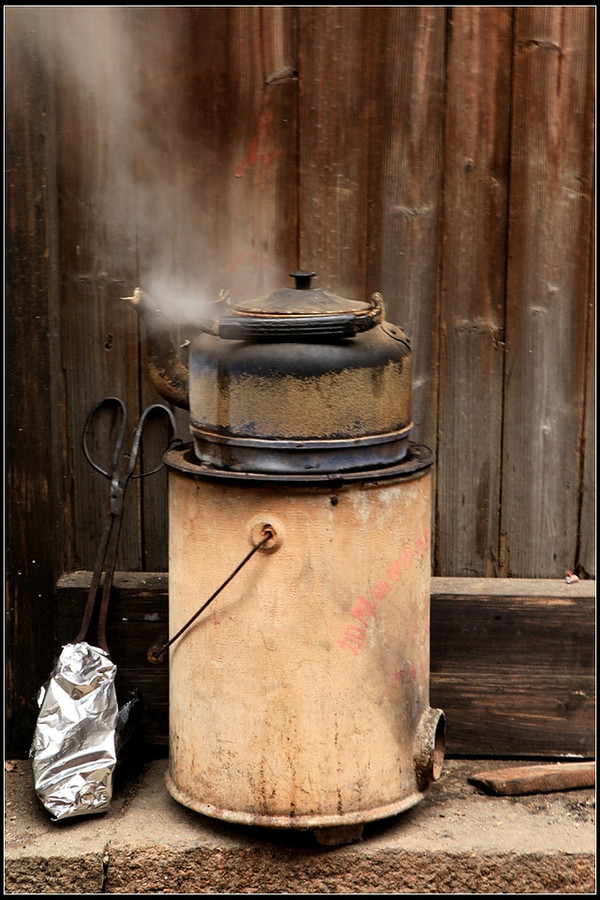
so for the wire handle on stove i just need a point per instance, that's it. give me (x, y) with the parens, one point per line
(157, 652)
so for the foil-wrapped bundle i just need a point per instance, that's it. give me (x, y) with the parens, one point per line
(80, 728)
(75, 743)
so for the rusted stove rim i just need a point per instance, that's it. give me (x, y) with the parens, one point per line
(418, 458)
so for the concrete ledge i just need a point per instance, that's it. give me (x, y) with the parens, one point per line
(456, 840)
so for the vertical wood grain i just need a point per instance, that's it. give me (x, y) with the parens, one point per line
(215, 152)
(33, 413)
(405, 187)
(215, 193)
(472, 345)
(586, 561)
(97, 258)
(333, 162)
(547, 283)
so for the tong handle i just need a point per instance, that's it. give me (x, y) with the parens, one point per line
(120, 435)
(107, 553)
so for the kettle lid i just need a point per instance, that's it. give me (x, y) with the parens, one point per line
(302, 300)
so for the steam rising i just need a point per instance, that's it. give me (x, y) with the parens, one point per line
(129, 112)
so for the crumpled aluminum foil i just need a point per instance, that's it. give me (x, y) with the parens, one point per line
(74, 748)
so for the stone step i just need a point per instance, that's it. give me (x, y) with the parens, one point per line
(456, 840)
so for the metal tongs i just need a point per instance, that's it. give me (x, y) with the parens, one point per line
(107, 552)
(77, 738)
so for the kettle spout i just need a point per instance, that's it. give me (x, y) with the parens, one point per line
(168, 374)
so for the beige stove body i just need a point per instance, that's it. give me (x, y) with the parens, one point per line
(300, 697)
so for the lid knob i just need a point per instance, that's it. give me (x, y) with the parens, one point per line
(302, 279)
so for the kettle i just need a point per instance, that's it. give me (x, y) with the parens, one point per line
(299, 381)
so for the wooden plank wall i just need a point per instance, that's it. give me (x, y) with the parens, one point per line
(33, 437)
(547, 287)
(443, 156)
(473, 289)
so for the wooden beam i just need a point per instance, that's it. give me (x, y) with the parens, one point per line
(512, 660)
(512, 665)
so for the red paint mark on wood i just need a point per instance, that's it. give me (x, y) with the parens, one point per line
(257, 154)
(249, 159)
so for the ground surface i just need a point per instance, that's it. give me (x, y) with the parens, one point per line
(456, 840)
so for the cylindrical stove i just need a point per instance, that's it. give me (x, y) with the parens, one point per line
(300, 699)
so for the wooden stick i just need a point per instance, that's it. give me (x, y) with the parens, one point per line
(536, 779)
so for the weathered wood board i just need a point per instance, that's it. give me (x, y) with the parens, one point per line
(512, 664)
(547, 297)
(472, 347)
(34, 523)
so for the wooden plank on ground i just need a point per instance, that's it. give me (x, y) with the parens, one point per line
(472, 293)
(551, 198)
(512, 660)
(540, 779)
